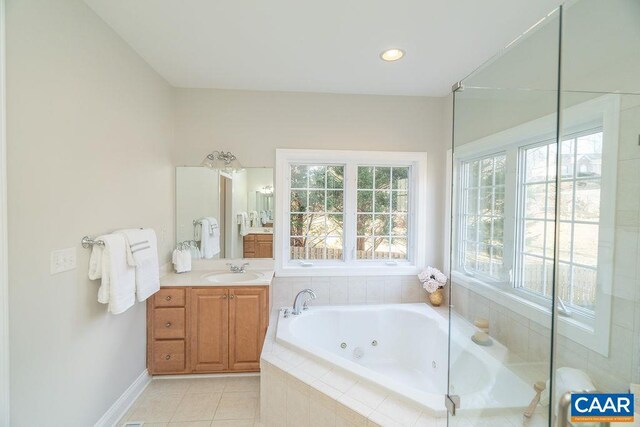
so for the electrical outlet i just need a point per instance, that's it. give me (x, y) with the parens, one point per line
(63, 260)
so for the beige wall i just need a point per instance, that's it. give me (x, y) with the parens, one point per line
(254, 124)
(89, 132)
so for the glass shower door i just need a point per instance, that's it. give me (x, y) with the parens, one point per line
(503, 234)
(598, 336)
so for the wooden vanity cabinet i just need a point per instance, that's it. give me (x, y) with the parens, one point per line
(258, 246)
(206, 329)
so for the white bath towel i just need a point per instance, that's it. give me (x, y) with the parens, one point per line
(243, 221)
(210, 239)
(118, 284)
(142, 253)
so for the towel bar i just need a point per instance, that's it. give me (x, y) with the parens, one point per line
(87, 242)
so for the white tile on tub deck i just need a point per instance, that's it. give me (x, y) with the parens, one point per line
(314, 368)
(375, 289)
(357, 290)
(403, 412)
(370, 395)
(341, 381)
(352, 411)
(376, 419)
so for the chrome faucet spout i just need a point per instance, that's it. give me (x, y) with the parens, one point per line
(299, 304)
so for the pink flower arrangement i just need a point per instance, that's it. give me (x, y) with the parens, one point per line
(432, 279)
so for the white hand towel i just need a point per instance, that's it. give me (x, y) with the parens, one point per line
(96, 267)
(210, 243)
(243, 221)
(118, 287)
(142, 253)
(181, 260)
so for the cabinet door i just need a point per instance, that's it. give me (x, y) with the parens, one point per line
(209, 330)
(264, 246)
(248, 320)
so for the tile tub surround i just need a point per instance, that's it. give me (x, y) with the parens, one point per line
(342, 290)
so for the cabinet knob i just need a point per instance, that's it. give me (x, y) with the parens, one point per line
(168, 324)
(168, 298)
(224, 296)
(167, 357)
(232, 296)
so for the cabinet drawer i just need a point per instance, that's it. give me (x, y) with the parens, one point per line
(169, 356)
(169, 323)
(169, 297)
(264, 237)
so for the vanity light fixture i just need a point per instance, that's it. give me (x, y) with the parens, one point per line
(267, 191)
(221, 160)
(391, 55)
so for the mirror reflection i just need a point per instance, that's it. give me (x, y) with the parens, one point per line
(225, 214)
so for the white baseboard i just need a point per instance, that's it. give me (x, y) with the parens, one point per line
(124, 402)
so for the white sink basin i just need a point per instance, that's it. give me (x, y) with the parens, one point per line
(226, 277)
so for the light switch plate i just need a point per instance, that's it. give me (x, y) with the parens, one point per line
(63, 260)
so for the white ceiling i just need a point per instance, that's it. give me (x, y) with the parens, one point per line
(321, 46)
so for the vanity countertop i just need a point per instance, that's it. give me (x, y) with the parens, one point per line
(260, 230)
(226, 278)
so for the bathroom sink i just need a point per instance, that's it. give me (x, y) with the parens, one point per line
(226, 277)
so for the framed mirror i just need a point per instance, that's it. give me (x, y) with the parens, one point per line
(225, 214)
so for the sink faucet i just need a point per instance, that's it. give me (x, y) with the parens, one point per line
(297, 302)
(236, 269)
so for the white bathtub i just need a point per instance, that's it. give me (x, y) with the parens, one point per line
(403, 348)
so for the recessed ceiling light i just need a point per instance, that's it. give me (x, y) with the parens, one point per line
(391, 55)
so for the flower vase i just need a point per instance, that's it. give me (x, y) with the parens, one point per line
(436, 297)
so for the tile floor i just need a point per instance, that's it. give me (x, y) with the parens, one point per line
(198, 402)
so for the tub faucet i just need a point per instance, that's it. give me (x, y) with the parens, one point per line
(298, 303)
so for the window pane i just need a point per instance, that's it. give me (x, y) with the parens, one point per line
(567, 158)
(400, 179)
(297, 248)
(470, 256)
(399, 225)
(472, 201)
(584, 287)
(564, 239)
(298, 176)
(585, 244)
(484, 230)
(535, 200)
(498, 231)
(299, 201)
(383, 178)
(533, 274)
(365, 177)
(474, 174)
(335, 177)
(534, 232)
(335, 225)
(398, 248)
(317, 176)
(365, 201)
(564, 282)
(335, 201)
(566, 201)
(316, 201)
(500, 169)
(536, 164)
(382, 225)
(364, 248)
(486, 172)
(382, 248)
(498, 201)
(587, 200)
(298, 225)
(382, 201)
(471, 228)
(486, 201)
(589, 155)
(400, 201)
(365, 225)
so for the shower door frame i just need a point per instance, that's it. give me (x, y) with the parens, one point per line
(4, 281)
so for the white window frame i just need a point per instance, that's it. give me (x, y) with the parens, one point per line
(604, 111)
(349, 266)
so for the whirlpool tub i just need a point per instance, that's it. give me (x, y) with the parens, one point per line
(403, 348)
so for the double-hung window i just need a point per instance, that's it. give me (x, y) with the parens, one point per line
(511, 241)
(350, 212)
